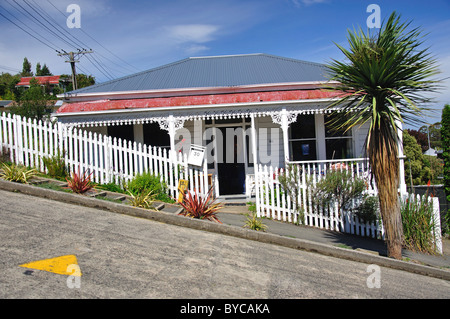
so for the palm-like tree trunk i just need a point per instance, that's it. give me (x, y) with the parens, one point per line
(383, 159)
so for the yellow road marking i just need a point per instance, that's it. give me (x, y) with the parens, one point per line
(59, 265)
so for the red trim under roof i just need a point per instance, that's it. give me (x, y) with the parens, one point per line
(254, 97)
(53, 79)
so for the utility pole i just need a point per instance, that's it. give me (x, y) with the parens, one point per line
(73, 58)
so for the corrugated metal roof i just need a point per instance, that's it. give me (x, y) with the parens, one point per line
(216, 71)
(52, 79)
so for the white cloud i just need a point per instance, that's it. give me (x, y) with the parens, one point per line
(197, 33)
(195, 48)
(299, 3)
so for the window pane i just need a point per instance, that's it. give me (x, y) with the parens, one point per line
(304, 127)
(303, 150)
(329, 132)
(339, 148)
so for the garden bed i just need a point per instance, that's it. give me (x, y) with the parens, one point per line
(100, 194)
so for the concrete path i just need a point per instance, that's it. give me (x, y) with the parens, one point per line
(236, 216)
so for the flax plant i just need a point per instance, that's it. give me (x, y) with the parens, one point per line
(143, 200)
(381, 83)
(419, 224)
(17, 173)
(196, 206)
(254, 223)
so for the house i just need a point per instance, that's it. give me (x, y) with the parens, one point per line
(430, 152)
(50, 81)
(242, 109)
(5, 104)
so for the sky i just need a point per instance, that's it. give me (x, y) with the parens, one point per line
(131, 36)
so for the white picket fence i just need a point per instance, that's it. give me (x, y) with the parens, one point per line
(272, 201)
(110, 160)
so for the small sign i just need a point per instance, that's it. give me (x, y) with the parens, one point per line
(305, 149)
(182, 188)
(196, 155)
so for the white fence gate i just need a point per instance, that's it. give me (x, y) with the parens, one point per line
(110, 160)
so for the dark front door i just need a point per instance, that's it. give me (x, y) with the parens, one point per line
(231, 169)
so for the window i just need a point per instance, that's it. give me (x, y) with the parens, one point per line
(154, 136)
(338, 144)
(302, 141)
(124, 132)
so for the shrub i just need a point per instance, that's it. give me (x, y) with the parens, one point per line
(367, 210)
(80, 183)
(111, 187)
(339, 186)
(146, 182)
(56, 166)
(251, 206)
(199, 207)
(289, 181)
(17, 173)
(418, 224)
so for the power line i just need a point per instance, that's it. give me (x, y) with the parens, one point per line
(36, 8)
(95, 65)
(57, 27)
(93, 39)
(45, 21)
(43, 25)
(46, 44)
(9, 68)
(69, 41)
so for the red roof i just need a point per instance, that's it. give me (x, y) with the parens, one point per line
(53, 79)
(210, 99)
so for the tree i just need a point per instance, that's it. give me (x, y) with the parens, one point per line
(44, 71)
(420, 137)
(8, 85)
(445, 133)
(433, 134)
(26, 68)
(414, 159)
(83, 80)
(34, 102)
(382, 83)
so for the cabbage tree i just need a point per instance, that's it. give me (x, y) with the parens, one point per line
(382, 82)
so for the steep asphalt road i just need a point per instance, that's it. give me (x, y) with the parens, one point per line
(126, 257)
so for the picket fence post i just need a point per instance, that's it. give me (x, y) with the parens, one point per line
(437, 224)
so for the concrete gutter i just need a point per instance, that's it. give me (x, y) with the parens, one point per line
(240, 232)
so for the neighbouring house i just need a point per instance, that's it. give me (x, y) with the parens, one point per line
(430, 152)
(242, 109)
(50, 81)
(5, 104)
